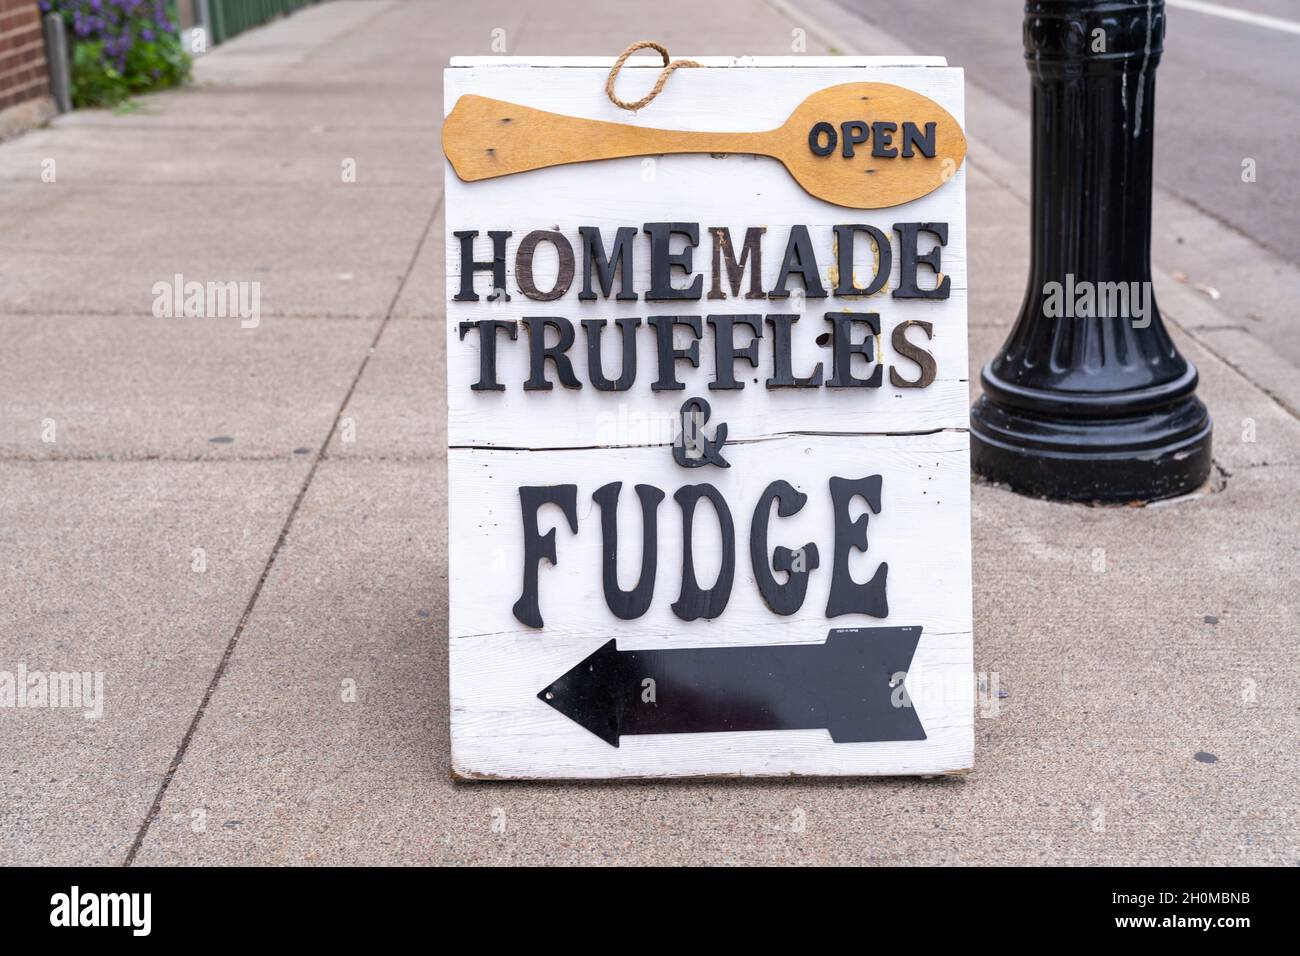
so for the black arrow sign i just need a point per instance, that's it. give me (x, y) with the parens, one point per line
(849, 685)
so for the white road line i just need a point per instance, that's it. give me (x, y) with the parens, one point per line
(1242, 16)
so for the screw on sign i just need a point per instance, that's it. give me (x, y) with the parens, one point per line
(797, 358)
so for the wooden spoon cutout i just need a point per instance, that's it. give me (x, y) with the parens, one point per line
(485, 138)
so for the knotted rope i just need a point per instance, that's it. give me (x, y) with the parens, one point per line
(667, 71)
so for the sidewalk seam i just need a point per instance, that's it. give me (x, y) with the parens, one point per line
(156, 807)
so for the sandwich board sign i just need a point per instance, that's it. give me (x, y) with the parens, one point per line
(709, 487)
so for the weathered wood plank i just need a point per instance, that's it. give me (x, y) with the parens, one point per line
(498, 664)
(571, 442)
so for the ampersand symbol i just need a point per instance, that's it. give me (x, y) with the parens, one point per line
(692, 449)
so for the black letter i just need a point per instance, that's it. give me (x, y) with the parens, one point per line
(912, 135)
(662, 261)
(884, 134)
(593, 254)
(726, 354)
(595, 368)
(694, 602)
(799, 258)
(539, 352)
(847, 286)
(628, 605)
(782, 370)
(844, 348)
(785, 598)
(908, 259)
(487, 351)
(468, 266)
(855, 133)
(822, 129)
(847, 596)
(538, 546)
(669, 356)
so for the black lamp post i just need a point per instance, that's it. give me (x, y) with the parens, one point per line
(1088, 400)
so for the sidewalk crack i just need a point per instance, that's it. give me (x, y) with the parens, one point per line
(156, 807)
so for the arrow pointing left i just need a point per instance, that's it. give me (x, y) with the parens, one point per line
(850, 685)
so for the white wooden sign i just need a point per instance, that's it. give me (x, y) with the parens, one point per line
(708, 453)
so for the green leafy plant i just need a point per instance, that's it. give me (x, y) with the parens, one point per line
(120, 48)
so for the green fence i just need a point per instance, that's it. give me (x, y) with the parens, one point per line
(231, 17)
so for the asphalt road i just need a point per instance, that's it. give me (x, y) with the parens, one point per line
(1225, 91)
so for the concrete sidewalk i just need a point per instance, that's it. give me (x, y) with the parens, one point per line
(237, 526)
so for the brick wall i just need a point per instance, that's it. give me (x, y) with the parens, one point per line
(23, 71)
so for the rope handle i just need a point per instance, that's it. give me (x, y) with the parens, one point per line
(667, 71)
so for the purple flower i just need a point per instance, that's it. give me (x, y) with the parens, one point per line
(120, 28)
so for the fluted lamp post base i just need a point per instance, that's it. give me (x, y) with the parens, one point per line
(1157, 454)
(1088, 399)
